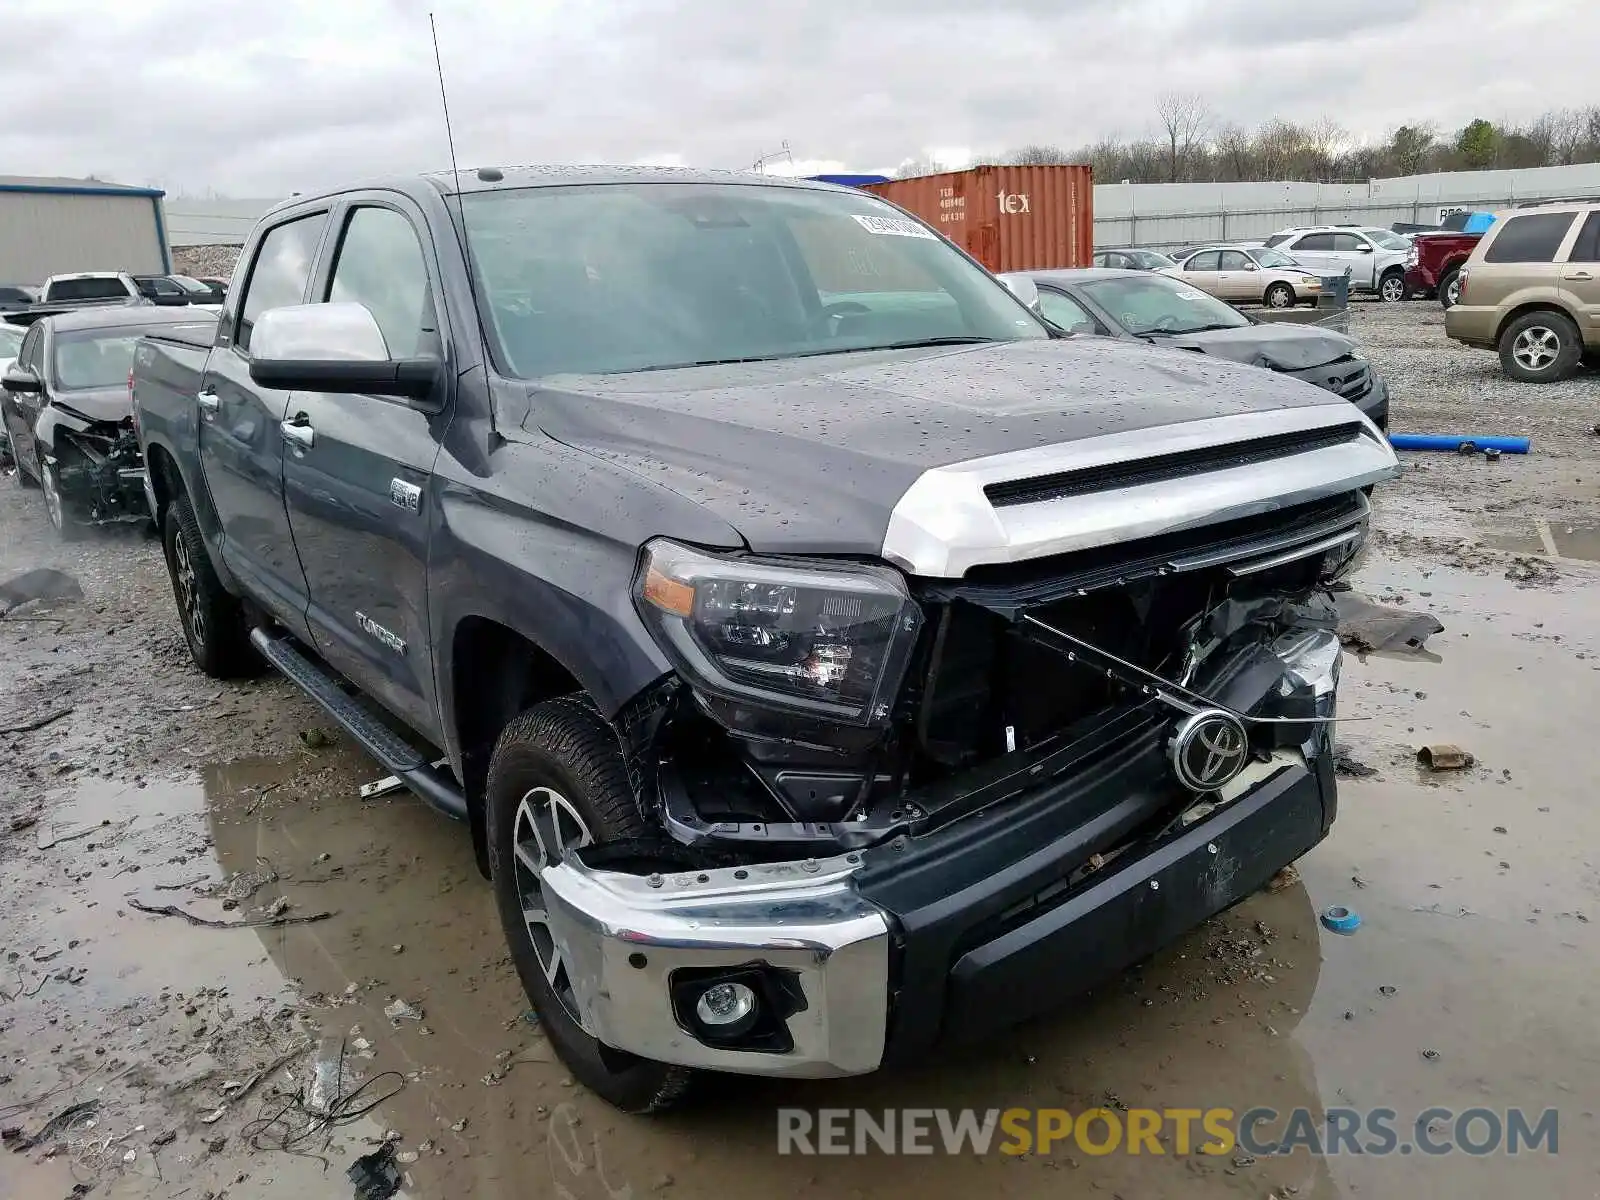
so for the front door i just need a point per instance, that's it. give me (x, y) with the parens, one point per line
(1353, 252)
(241, 446)
(358, 479)
(22, 409)
(1314, 251)
(1580, 279)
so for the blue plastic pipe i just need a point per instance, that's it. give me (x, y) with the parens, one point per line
(1450, 441)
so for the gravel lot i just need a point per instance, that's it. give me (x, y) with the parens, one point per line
(1467, 985)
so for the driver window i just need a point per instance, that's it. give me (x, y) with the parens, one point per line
(380, 265)
(1206, 260)
(1064, 312)
(1347, 243)
(1235, 260)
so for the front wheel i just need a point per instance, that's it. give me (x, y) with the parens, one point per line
(1450, 289)
(557, 782)
(213, 621)
(1279, 295)
(1392, 287)
(1540, 347)
(56, 505)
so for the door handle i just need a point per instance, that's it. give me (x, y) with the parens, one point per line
(298, 431)
(208, 400)
(1578, 275)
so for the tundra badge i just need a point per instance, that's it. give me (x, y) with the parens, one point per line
(373, 630)
(405, 495)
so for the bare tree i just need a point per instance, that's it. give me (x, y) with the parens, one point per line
(911, 168)
(1040, 155)
(1185, 119)
(1232, 148)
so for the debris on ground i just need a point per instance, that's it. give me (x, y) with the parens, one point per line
(1367, 627)
(314, 739)
(1340, 919)
(1348, 766)
(1284, 879)
(42, 583)
(57, 1124)
(1444, 756)
(1531, 571)
(172, 910)
(376, 1175)
(398, 1010)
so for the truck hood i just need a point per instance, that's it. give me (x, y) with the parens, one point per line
(98, 404)
(1282, 347)
(811, 455)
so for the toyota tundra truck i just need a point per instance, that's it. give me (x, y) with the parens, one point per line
(828, 658)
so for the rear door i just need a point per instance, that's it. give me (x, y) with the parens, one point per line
(1580, 279)
(241, 444)
(1314, 251)
(1201, 271)
(358, 488)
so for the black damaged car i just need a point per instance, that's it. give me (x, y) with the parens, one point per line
(1168, 312)
(65, 402)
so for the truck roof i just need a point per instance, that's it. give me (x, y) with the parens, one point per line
(120, 316)
(449, 183)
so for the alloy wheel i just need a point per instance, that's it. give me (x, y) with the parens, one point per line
(547, 827)
(1536, 347)
(1452, 293)
(188, 590)
(52, 494)
(1392, 289)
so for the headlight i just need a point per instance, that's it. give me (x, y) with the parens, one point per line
(826, 640)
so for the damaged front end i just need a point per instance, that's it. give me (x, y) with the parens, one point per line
(965, 795)
(98, 466)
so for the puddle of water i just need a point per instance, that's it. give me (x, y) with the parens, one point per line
(1577, 541)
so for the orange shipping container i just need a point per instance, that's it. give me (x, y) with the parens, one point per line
(1008, 218)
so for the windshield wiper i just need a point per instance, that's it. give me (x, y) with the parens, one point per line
(1195, 329)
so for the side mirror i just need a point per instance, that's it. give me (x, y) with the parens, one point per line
(335, 348)
(1023, 288)
(16, 379)
(1252, 266)
(1363, 249)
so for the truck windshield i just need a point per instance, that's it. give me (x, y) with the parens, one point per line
(632, 277)
(97, 358)
(100, 288)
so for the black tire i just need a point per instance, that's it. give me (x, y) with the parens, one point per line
(213, 621)
(1450, 288)
(1392, 287)
(1540, 347)
(564, 745)
(63, 519)
(1279, 295)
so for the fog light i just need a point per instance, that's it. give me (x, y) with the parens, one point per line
(725, 1004)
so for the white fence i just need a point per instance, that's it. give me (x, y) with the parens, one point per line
(1162, 215)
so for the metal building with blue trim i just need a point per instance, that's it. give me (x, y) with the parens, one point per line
(52, 226)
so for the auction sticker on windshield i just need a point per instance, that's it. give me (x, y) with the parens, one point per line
(1188, 294)
(894, 227)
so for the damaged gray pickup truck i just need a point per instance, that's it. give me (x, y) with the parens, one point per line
(829, 658)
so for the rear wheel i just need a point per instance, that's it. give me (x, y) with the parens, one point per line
(213, 620)
(557, 782)
(1450, 289)
(1279, 295)
(1540, 347)
(1392, 287)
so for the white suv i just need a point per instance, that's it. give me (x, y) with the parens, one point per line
(1375, 258)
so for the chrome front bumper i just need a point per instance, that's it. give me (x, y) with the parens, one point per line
(623, 936)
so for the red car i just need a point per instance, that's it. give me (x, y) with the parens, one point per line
(1434, 264)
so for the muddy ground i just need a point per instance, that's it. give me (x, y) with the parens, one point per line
(1469, 983)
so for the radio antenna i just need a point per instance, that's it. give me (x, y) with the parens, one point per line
(444, 101)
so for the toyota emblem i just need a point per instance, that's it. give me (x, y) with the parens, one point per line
(1209, 750)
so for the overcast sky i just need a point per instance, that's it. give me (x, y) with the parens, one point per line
(256, 98)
